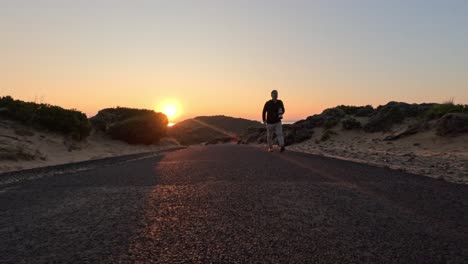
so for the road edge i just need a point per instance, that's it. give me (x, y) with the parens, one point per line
(14, 177)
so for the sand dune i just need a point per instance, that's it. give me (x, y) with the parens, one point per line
(423, 153)
(22, 147)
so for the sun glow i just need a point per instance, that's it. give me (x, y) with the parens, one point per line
(171, 109)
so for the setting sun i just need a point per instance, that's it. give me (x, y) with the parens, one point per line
(171, 109)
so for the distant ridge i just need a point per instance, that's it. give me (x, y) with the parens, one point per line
(205, 129)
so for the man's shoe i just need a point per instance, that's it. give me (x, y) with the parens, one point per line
(282, 149)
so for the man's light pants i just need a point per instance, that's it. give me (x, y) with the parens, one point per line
(278, 130)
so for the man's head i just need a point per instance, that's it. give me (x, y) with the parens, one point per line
(274, 95)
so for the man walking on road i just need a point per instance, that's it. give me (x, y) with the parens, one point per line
(272, 114)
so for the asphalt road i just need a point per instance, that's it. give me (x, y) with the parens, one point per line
(230, 203)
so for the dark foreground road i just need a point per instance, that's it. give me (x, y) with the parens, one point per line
(234, 204)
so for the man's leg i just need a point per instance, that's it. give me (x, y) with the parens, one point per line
(269, 129)
(279, 135)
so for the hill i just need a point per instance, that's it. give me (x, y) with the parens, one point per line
(210, 129)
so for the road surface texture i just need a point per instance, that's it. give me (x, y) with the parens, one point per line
(234, 204)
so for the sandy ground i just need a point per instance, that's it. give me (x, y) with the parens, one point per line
(24, 148)
(424, 153)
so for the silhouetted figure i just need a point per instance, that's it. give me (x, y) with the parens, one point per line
(271, 115)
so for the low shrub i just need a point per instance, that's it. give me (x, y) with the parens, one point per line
(350, 110)
(332, 116)
(365, 111)
(105, 118)
(439, 110)
(145, 129)
(335, 112)
(331, 122)
(351, 123)
(312, 122)
(47, 117)
(388, 115)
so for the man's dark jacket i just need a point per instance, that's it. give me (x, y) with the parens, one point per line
(270, 111)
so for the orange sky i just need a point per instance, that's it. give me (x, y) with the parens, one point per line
(224, 57)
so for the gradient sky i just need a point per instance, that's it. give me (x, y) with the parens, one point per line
(224, 57)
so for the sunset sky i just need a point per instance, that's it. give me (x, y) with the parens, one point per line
(224, 57)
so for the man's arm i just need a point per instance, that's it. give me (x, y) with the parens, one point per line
(282, 106)
(264, 112)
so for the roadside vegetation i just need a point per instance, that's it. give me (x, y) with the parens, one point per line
(438, 111)
(447, 119)
(46, 117)
(134, 126)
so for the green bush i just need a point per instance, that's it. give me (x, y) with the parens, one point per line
(332, 117)
(148, 128)
(335, 112)
(353, 110)
(351, 123)
(331, 122)
(365, 111)
(109, 116)
(134, 126)
(45, 116)
(439, 110)
(388, 115)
